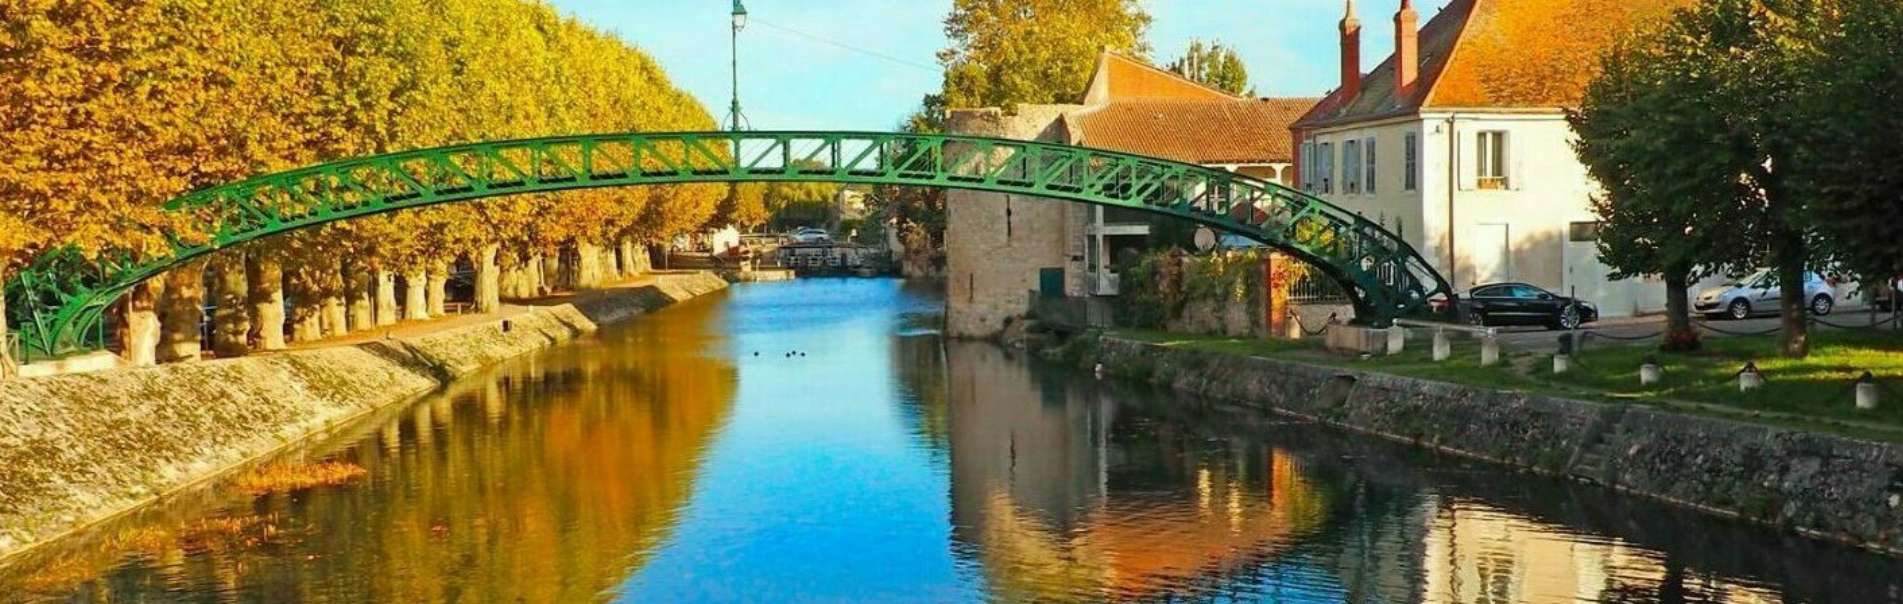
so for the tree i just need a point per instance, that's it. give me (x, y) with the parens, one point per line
(1660, 209)
(1855, 135)
(1216, 66)
(1007, 52)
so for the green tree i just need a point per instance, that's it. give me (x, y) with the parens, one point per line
(1007, 52)
(1855, 135)
(1215, 65)
(1661, 210)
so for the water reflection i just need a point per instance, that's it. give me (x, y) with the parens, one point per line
(817, 441)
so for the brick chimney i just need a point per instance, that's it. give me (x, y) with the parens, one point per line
(1350, 53)
(1407, 48)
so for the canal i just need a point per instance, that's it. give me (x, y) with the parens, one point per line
(818, 441)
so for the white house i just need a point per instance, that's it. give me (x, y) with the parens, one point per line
(1459, 141)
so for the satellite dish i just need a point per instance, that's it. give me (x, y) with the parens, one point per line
(1205, 239)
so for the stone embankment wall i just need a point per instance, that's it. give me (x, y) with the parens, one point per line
(79, 449)
(1817, 484)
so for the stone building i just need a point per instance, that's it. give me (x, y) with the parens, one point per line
(1001, 248)
(1459, 141)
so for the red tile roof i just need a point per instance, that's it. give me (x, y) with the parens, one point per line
(1496, 54)
(1236, 131)
(1138, 108)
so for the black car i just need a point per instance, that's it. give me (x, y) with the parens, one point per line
(1523, 304)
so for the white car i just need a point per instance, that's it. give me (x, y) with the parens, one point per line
(1758, 294)
(812, 235)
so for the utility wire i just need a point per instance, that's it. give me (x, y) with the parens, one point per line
(864, 51)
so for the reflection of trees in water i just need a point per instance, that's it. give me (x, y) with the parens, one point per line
(919, 362)
(547, 480)
(1059, 495)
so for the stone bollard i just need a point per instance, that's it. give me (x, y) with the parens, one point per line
(1562, 363)
(1397, 339)
(1867, 392)
(1749, 379)
(1650, 373)
(1443, 346)
(1490, 349)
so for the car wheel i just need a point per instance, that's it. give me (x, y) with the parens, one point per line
(1739, 310)
(1821, 305)
(1477, 318)
(1568, 319)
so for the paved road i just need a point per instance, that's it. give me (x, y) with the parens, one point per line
(1533, 338)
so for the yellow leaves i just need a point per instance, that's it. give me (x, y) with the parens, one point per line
(109, 109)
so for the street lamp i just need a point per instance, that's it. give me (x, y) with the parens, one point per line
(739, 23)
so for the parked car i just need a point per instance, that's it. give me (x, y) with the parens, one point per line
(1523, 304)
(1758, 294)
(811, 235)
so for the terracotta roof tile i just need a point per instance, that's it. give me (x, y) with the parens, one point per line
(1496, 54)
(1235, 131)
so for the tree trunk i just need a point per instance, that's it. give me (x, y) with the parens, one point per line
(231, 317)
(1680, 336)
(140, 339)
(1792, 307)
(587, 266)
(7, 367)
(182, 314)
(537, 277)
(488, 277)
(336, 316)
(358, 287)
(415, 296)
(610, 264)
(307, 309)
(385, 283)
(437, 293)
(553, 279)
(265, 281)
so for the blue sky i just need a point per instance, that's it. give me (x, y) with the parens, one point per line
(797, 71)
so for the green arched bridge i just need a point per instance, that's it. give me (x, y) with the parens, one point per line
(65, 297)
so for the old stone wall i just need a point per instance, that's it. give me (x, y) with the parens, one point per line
(78, 449)
(1817, 484)
(996, 244)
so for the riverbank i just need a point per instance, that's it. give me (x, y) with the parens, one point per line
(79, 449)
(1822, 485)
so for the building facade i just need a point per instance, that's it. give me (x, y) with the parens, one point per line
(1001, 248)
(1460, 141)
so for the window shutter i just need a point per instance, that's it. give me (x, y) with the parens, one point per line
(1373, 171)
(1514, 163)
(1469, 166)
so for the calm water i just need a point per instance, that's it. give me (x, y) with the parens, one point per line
(688, 457)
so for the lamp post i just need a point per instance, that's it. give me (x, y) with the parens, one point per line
(739, 23)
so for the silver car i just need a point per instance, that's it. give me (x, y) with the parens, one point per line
(1758, 294)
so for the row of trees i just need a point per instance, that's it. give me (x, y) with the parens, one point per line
(109, 109)
(1747, 133)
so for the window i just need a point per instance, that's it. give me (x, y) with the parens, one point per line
(1583, 232)
(1351, 167)
(1411, 162)
(1491, 155)
(1526, 292)
(1327, 167)
(1496, 291)
(1367, 182)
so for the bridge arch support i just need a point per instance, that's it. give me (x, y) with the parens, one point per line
(1385, 277)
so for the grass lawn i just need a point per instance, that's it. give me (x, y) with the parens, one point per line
(1814, 393)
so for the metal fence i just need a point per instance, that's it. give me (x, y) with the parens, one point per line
(1310, 286)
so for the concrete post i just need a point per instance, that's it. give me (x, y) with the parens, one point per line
(437, 293)
(265, 281)
(1867, 392)
(140, 342)
(1489, 349)
(415, 295)
(359, 285)
(182, 314)
(385, 298)
(231, 316)
(1443, 346)
(1562, 363)
(1650, 373)
(1397, 339)
(1749, 380)
(488, 280)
